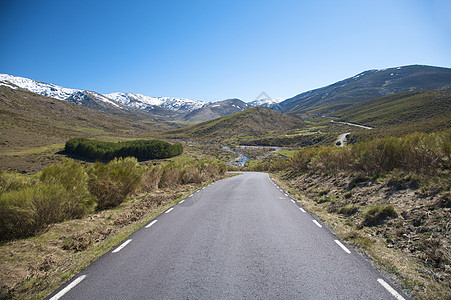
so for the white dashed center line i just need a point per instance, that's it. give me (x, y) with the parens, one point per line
(292, 201)
(122, 246)
(182, 201)
(317, 224)
(68, 288)
(169, 210)
(151, 223)
(303, 210)
(390, 289)
(342, 246)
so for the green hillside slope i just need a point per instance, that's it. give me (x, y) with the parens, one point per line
(252, 122)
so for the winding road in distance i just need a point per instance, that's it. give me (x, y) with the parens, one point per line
(239, 238)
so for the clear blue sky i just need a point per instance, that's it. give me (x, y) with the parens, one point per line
(211, 50)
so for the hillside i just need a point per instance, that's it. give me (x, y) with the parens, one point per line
(368, 85)
(31, 123)
(402, 108)
(252, 122)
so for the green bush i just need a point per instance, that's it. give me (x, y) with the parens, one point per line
(13, 181)
(74, 179)
(141, 149)
(111, 183)
(27, 211)
(17, 214)
(376, 214)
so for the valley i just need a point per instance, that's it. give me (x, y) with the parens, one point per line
(385, 190)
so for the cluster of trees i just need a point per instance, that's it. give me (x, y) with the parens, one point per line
(141, 149)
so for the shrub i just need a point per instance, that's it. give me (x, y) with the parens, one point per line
(348, 209)
(193, 174)
(111, 183)
(27, 211)
(172, 176)
(419, 153)
(151, 177)
(376, 214)
(74, 179)
(13, 181)
(17, 214)
(300, 161)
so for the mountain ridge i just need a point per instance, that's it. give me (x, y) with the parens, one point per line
(174, 108)
(368, 85)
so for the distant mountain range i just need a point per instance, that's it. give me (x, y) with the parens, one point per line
(175, 108)
(368, 85)
(364, 86)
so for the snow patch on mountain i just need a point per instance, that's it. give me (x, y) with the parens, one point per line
(265, 102)
(52, 90)
(44, 89)
(143, 102)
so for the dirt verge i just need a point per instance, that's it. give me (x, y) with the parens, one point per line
(400, 221)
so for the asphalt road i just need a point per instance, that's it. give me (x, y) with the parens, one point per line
(342, 139)
(239, 238)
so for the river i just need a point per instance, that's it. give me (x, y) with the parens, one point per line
(240, 161)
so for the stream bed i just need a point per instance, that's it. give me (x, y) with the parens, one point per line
(240, 161)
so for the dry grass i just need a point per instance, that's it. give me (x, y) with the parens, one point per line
(413, 246)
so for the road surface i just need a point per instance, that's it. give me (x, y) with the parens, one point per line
(342, 138)
(239, 238)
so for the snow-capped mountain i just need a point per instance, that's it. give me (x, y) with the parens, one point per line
(216, 109)
(90, 98)
(54, 91)
(145, 102)
(266, 102)
(166, 107)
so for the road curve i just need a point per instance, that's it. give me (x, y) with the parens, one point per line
(241, 237)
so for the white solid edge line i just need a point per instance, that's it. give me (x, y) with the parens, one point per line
(151, 223)
(68, 288)
(303, 210)
(169, 210)
(342, 246)
(390, 289)
(317, 224)
(182, 201)
(122, 246)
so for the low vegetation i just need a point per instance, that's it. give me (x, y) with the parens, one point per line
(419, 153)
(388, 196)
(29, 203)
(141, 149)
